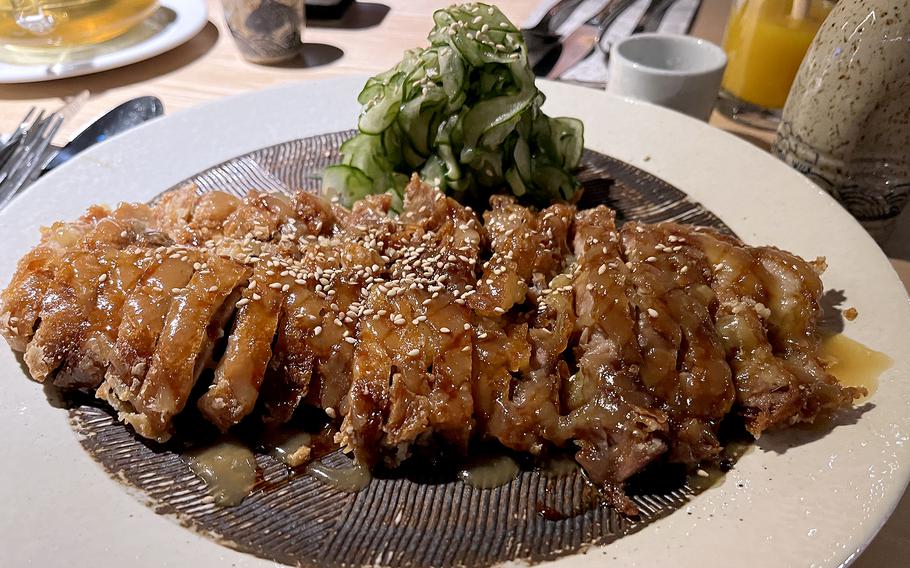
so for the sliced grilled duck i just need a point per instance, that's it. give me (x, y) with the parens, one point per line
(683, 361)
(195, 320)
(540, 330)
(618, 426)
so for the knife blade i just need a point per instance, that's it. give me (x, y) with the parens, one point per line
(579, 44)
(653, 16)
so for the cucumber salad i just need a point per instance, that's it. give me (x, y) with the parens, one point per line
(465, 114)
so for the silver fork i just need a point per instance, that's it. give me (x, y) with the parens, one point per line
(28, 150)
(24, 159)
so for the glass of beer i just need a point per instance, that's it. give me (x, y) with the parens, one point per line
(50, 25)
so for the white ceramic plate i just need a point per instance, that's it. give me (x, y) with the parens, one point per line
(174, 23)
(816, 504)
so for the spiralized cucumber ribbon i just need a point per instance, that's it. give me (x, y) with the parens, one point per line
(465, 114)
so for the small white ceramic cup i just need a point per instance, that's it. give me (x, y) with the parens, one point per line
(675, 71)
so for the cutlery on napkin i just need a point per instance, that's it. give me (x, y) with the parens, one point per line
(661, 16)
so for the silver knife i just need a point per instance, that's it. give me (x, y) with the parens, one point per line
(580, 43)
(653, 16)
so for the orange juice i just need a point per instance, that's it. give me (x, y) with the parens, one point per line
(765, 47)
(43, 24)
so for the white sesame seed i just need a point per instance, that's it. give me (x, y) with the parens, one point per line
(242, 302)
(102, 278)
(256, 297)
(317, 330)
(652, 312)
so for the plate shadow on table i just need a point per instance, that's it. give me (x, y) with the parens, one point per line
(891, 539)
(138, 72)
(358, 16)
(312, 55)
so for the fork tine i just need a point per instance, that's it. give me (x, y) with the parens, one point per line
(14, 138)
(31, 158)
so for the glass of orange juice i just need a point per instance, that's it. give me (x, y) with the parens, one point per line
(765, 42)
(43, 25)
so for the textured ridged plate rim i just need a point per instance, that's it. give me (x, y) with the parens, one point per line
(819, 503)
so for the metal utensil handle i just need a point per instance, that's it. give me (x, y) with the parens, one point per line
(559, 13)
(607, 16)
(650, 20)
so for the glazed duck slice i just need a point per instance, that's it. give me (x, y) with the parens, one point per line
(314, 346)
(615, 422)
(195, 320)
(519, 371)
(75, 301)
(141, 321)
(794, 289)
(411, 376)
(209, 214)
(516, 396)
(523, 243)
(683, 360)
(260, 215)
(774, 382)
(238, 375)
(412, 363)
(21, 301)
(86, 364)
(66, 310)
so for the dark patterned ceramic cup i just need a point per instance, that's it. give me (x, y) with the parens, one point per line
(266, 31)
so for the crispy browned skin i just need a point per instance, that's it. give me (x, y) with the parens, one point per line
(683, 359)
(527, 250)
(412, 363)
(617, 425)
(184, 345)
(538, 329)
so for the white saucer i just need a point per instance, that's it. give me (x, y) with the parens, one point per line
(175, 22)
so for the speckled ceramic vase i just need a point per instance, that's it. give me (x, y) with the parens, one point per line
(846, 124)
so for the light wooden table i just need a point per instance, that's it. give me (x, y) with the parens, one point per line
(209, 67)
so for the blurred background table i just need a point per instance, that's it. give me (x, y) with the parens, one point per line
(370, 38)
